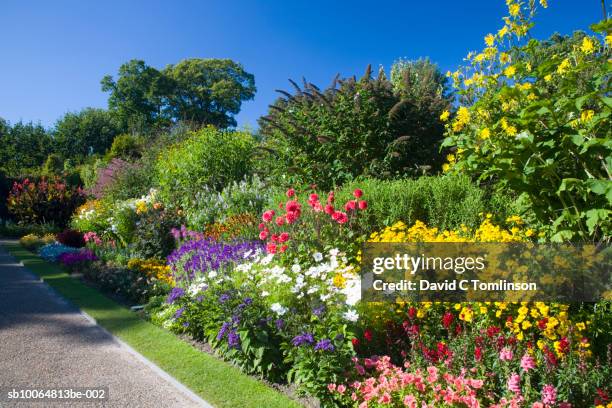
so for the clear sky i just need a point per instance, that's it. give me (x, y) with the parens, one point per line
(54, 53)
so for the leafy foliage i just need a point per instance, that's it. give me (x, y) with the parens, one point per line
(538, 121)
(368, 126)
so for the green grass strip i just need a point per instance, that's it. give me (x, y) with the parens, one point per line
(216, 381)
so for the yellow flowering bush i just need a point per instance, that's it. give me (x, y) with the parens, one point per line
(33, 241)
(537, 119)
(153, 269)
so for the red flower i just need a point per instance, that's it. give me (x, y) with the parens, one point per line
(283, 248)
(290, 193)
(355, 342)
(263, 235)
(340, 217)
(284, 237)
(478, 354)
(367, 335)
(363, 205)
(271, 248)
(412, 312)
(313, 197)
(350, 205)
(274, 238)
(358, 193)
(330, 197)
(280, 221)
(262, 225)
(447, 319)
(329, 209)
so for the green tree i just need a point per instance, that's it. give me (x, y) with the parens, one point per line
(53, 165)
(90, 131)
(200, 91)
(208, 91)
(24, 147)
(138, 95)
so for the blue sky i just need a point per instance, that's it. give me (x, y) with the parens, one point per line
(54, 53)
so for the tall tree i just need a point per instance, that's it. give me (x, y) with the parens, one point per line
(200, 91)
(23, 147)
(208, 91)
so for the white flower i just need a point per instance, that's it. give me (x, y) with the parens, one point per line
(265, 293)
(296, 268)
(278, 309)
(212, 274)
(334, 252)
(351, 316)
(352, 290)
(318, 257)
(267, 259)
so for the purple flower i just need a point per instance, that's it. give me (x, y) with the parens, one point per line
(324, 345)
(302, 339)
(318, 311)
(280, 323)
(199, 256)
(179, 313)
(199, 298)
(233, 339)
(185, 324)
(223, 330)
(224, 298)
(71, 258)
(174, 294)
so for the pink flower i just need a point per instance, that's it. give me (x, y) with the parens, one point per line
(292, 206)
(313, 197)
(433, 374)
(283, 248)
(537, 405)
(506, 354)
(549, 395)
(290, 193)
(280, 221)
(363, 205)
(283, 237)
(340, 217)
(514, 383)
(528, 362)
(385, 398)
(341, 389)
(274, 237)
(331, 387)
(329, 209)
(358, 193)
(291, 217)
(263, 235)
(410, 401)
(267, 215)
(262, 225)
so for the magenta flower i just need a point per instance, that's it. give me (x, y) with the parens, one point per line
(506, 354)
(549, 395)
(514, 383)
(528, 362)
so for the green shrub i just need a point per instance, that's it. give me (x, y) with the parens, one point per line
(152, 238)
(369, 126)
(247, 196)
(208, 159)
(53, 165)
(127, 147)
(444, 202)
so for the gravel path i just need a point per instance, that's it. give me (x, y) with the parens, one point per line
(46, 342)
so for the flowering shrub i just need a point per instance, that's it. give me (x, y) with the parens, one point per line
(47, 200)
(308, 224)
(93, 216)
(539, 124)
(51, 252)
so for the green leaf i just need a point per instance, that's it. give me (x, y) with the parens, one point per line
(595, 216)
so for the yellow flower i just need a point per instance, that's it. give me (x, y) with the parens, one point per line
(588, 46)
(466, 314)
(339, 280)
(444, 116)
(587, 115)
(489, 40)
(564, 66)
(609, 40)
(580, 326)
(485, 133)
(514, 9)
(502, 32)
(544, 3)
(510, 71)
(504, 57)
(548, 78)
